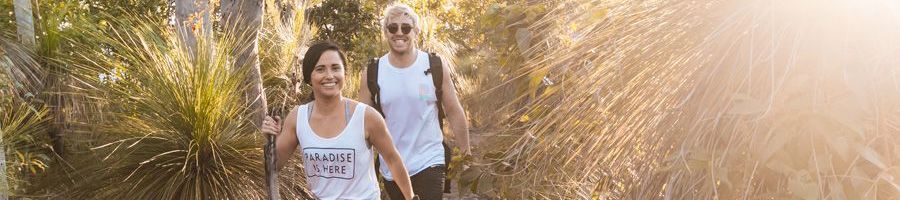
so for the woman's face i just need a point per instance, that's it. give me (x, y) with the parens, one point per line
(327, 78)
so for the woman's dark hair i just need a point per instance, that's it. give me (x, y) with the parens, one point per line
(314, 53)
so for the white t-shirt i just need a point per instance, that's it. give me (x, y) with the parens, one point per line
(408, 101)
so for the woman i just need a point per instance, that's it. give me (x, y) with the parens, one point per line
(336, 134)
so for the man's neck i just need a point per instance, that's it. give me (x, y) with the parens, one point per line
(402, 60)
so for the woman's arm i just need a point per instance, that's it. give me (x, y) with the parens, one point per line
(285, 139)
(377, 134)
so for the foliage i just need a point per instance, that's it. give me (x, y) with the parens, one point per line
(25, 144)
(281, 45)
(23, 122)
(172, 127)
(351, 24)
(667, 100)
(22, 77)
(578, 99)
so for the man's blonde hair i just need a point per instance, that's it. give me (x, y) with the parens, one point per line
(400, 9)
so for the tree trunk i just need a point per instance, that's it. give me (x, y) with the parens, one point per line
(192, 20)
(25, 31)
(4, 185)
(24, 22)
(241, 22)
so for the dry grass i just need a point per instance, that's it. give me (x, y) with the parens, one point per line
(672, 99)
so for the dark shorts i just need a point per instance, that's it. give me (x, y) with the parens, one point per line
(428, 184)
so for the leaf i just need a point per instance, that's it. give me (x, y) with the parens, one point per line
(837, 190)
(839, 145)
(872, 156)
(469, 176)
(849, 112)
(467, 180)
(523, 40)
(524, 119)
(801, 185)
(533, 12)
(780, 168)
(485, 184)
(777, 142)
(722, 176)
(599, 13)
(859, 179)
(535, 79)
(595, 195)
(887, 177)
(743, 104)
(552, 89)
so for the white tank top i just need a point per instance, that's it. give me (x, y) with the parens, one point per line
(341, 167)
(408, 102)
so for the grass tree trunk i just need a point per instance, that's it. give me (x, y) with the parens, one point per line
(192, 21)
(4, 184)
(25, 31)
(241, 20)
(24, 22)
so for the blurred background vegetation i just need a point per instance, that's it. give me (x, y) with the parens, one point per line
(576, 99)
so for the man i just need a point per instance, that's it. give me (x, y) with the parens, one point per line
(408, 99)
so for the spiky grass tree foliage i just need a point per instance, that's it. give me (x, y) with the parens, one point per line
(22, 75)
(170, 127)
(23, 121)
(25, 145)
(282, 40)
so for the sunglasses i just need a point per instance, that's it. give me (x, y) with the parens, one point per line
(405, 28)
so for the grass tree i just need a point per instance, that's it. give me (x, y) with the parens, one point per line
(23, 122)
(173, 127)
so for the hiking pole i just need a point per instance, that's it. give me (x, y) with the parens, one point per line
(271, 174)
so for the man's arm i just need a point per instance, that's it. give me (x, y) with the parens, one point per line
(363, 93)
(455, 113)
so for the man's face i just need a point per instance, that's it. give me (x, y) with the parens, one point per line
(400, 33)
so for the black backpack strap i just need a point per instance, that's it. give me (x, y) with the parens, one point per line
(375, 94)
(436, 67)
(372, 83)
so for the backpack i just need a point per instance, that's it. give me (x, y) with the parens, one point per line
(437, 75)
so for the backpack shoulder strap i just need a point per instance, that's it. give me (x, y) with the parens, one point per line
(436, 67)
(375, 95)
(372, 83)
